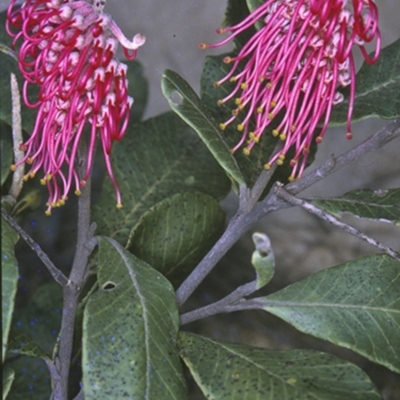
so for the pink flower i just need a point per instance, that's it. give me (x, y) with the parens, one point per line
(293, 66)
(68, 49)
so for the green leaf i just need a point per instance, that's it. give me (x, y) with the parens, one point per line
(185, 102)
(6, 153)
(237, 11)
(253, 4)
(250, 165)
(32, 379)
(263, 259)
(355, 305)
(9, 279)
(176, 233)
(40, 319)
(160, 157)
(21, 344)
(231, 371)
(8, 378)
(129, 331)
(377, 90)
(138, 88)
(375, 204)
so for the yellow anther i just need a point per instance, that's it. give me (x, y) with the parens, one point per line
(246, 151)
(25, 178)
(119, 206)
(240, 107)
(13, 167)
(43, 181)
(235, 112)
(243, 86)
(253, 137)
(29, 160)
(260, 109)
(267, 166)
(78, 192)
(220, 102)
(271, 115)
(275, 132)
(232, 151)
(238, 101)
(61, 202)
(282, 136)
(281, 159)
(291, 178)
(48, 212)
(216, 84)
(273, 103)
(240, 127)
(233, 79)
(203, 46)
(222, 127)
(31, 174)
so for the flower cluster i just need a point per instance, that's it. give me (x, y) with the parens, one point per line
(68, 49)
(292, 67)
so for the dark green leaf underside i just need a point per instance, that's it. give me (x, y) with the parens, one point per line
(8, 378)
(231, 371)
(177, 232)
(156, 159)
(9, 279)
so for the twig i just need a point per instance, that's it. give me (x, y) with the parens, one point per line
(57, 275)
(376, 141)
(84, 247)
(17, 181)
(311, 208)
(244, 220)
(252, 304)
(54, 377)
(219, 306)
